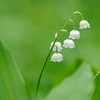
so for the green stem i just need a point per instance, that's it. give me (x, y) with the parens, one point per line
(96, 75)
(77, 12)
(97, 86)
(72, 23)
(44, 65)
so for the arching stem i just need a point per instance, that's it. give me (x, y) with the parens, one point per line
(44, 65)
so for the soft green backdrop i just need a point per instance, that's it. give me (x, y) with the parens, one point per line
(28, 28)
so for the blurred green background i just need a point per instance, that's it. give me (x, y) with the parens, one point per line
(28, 28)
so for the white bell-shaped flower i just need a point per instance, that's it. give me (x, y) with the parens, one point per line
(74, 34)
(57, 46)
(57, 57)
(68, 43)
(84, 24)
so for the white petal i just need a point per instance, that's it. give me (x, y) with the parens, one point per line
(74, 34)
(54, 48)
(57, 46)
(54, 57)
(84, 24)
(68, 43)
(57, 57)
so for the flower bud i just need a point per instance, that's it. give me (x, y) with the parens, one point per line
(56, 35)
(63, 30)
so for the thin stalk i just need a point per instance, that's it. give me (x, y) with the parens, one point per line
(97, 87)
(72, 23)
(77, 12)
(96, 75)
(44, 65)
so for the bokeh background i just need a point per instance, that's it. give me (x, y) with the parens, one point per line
(28, 28)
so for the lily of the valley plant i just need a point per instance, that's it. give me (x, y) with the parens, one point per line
(56, 46)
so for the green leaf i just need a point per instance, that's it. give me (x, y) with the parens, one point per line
(12, 85)
(79, 86)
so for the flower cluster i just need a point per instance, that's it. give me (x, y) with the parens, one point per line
(68, 43)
